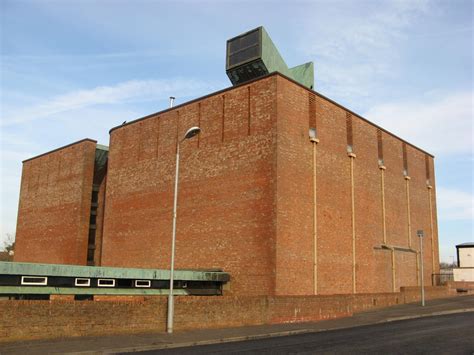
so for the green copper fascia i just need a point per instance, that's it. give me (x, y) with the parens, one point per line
(28, 290)
(271, 57)
(102, 147)
(101, 156)
(304, 74)
(14, 268)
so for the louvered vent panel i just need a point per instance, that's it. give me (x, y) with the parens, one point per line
(312, 111)
(405, 159)
(350, 143)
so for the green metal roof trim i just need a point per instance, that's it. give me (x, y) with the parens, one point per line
(14, 268)
(101, 147)
(40, 290)
(100, 163)
(304, 74)
(101, 155)
(253, 54)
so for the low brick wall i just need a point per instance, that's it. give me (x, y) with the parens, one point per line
(463, 286)
(62, 317)
(413, 293)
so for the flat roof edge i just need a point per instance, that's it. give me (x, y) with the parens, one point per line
(465, 245)
(102, 147)
(261, 78)
(41, 269)
(191, 101)
(63, 147)
(356, 114)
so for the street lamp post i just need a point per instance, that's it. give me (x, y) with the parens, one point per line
(189, 134)
(420, 235)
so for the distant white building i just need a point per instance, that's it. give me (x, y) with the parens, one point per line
(465, 269)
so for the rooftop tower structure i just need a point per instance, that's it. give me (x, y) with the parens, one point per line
(252, 55)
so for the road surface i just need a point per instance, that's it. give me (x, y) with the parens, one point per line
(448, 334)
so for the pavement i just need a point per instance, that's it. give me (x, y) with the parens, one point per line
(154, 341)
(444, 335)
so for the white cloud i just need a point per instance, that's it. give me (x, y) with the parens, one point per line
(454, 204)
(23, 144)
(441, 125)
(354, 53)
(35, 129)
(125, 92)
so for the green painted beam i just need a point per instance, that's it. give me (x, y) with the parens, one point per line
(39, 290)
(32, 269)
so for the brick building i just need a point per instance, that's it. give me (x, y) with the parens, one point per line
(286, 190)
(282, 212)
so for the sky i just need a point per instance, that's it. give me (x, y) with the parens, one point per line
(74, 69)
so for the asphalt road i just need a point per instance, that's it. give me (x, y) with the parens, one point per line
(449, 334)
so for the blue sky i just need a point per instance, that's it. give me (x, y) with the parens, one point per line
(74, 69)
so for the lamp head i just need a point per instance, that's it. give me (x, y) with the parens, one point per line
(190, 133)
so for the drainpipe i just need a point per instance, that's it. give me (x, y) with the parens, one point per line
(418, 268)
(407, 181)
(393, 270)
(393, 264)
(382, 180)
(430, 188)
(352, 156)
(315, 142)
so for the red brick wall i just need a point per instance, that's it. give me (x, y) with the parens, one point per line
(22, 320)
(420, 211)
(373, 266)
(53, 216)
(334, 201)
(334, 213)
(294, 238)
(246, 196)
(226, 191)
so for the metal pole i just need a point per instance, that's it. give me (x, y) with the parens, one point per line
(173, 242)
(421, 272)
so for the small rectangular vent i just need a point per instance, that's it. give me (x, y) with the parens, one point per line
(106, 283)
(143, 283)
(81, 282)
(34, 280)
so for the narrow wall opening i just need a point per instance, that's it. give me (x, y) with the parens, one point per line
(94, 243)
